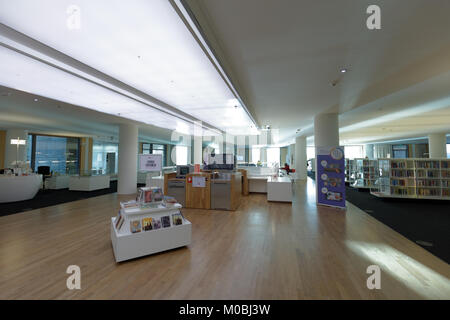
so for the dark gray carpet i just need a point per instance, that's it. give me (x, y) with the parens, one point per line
(426, 222)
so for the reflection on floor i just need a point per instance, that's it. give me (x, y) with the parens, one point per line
(262, 251)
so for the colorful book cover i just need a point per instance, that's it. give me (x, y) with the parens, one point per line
(157, 194)
(135, 226)
(122, 221)
(165, 221)
(148, 196)
(118, 218)
(156, 223)
(147, 224)
(177, 219)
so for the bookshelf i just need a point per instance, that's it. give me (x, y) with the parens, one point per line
(365, 173)
(127, 245)
(349, 170)
(416, 178)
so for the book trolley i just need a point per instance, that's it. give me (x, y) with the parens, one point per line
(148, 228)
(416, 178)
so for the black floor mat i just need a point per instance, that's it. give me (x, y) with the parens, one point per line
(46, 198)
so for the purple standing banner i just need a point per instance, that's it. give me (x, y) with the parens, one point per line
(330, 176)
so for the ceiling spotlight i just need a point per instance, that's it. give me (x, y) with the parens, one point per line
(343, 70)
(36, 99)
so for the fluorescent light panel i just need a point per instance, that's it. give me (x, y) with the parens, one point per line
(26, 74)
(142, 43)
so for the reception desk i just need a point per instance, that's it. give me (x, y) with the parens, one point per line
(19, 188)
(88, 183)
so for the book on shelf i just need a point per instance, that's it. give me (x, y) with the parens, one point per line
(156, 223)
(150, 195)
(177, 219)
(129, 204)
(165, 221)
(135, 226)
(147, 224)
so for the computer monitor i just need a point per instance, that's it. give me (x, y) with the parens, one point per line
(182, 171)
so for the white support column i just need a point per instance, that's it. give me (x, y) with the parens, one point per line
(437, 145)
(128, 150)
(11, 151)
(326, 130)
(300, 158)
(263, 154)
(198, 143)
(198, 149)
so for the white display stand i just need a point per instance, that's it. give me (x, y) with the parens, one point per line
(127, 245)
(57, 182)
(88, 183)
(19, 188)
(279, 189)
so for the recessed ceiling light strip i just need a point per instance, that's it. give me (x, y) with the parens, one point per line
(196, 30)
(14, 40)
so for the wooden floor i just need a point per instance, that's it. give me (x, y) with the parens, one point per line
(262, 251)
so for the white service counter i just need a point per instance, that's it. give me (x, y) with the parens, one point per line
(257, 184)
(88, 183)
(279, 189)
(19, 188)
(57, 182)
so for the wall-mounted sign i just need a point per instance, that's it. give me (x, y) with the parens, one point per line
(150, 162)
(330, 176)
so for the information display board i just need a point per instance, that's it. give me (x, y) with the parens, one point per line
(330, 176)
(150, 162)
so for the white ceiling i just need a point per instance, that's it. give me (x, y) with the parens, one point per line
(19, 110)
(283, 54)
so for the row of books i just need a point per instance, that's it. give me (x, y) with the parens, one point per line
(428, 164)
(150, 195)
(429, 192)
(402, 174)
(148, 224)
(428, 183)
(399, 164)
(428, 174)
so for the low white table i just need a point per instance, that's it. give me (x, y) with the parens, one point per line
(57, 182)
(88, 183)
(279, 189)
(19, 188)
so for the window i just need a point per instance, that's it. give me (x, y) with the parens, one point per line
(61, 154)
(160, 149)
(153, 148)
(105, 157)
(400, 150)
(146, 148)
(448, 150)
(352, 152)
(256, 155)
(181, 155)
(310, 152)
(273, 157)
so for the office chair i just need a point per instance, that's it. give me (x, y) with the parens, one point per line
(45, 171)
